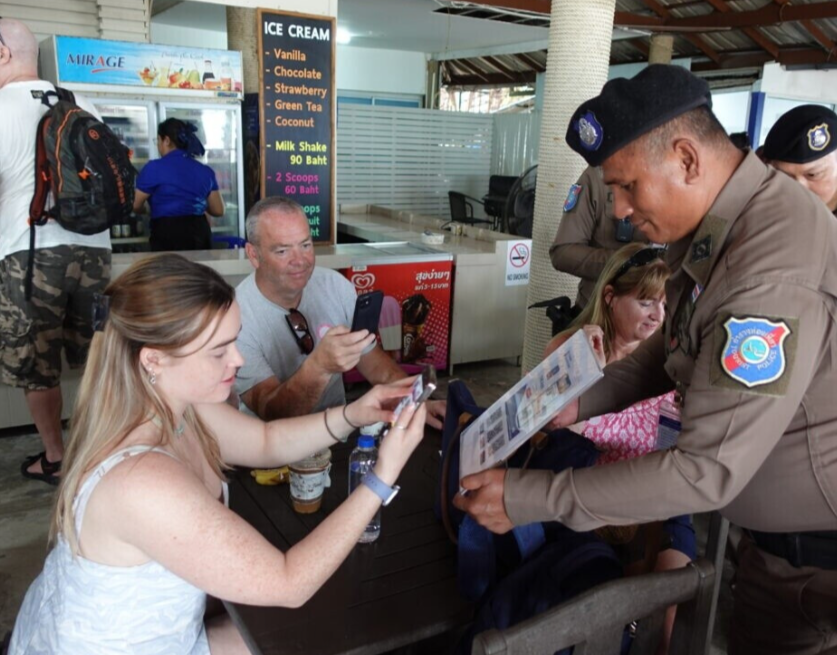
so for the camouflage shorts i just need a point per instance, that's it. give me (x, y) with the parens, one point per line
(33, 333)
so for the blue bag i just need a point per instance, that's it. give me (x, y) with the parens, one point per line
(534, 567)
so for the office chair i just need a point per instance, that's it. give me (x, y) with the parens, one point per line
(462, 211)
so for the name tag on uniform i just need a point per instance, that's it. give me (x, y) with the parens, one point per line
(668, 426)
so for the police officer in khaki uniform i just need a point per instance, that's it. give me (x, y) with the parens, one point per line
(802, 144)
(589, 233)
(750, 342)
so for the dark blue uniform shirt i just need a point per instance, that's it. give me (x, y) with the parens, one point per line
(177, 185)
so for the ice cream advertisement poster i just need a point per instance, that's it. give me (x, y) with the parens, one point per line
(92, 61)
(414, 328)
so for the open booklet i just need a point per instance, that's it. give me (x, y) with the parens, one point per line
(529, 405)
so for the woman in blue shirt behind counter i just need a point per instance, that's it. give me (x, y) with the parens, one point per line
(180, 190)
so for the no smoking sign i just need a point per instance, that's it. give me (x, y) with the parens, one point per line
(518, 260)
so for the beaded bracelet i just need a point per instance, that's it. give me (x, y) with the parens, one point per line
(330, 433)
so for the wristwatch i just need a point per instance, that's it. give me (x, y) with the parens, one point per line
(381, 488)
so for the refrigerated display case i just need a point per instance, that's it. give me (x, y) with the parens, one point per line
(219, 129)
(133, 88)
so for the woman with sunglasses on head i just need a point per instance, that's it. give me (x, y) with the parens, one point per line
(180, 190)
(627, 307)
(140, 530)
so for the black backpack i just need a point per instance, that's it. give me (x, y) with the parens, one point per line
(86, 168)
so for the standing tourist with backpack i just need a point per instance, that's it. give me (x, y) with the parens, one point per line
(69, 267)
(180, 190)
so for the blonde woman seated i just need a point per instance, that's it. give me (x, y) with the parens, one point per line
(627, 307)
(141, 531)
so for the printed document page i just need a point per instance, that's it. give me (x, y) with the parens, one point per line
(527, 406)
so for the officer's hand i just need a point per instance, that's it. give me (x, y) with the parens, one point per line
(484, 501)
(566, 417)
(340, 350)
(435, 413)
(595, 335)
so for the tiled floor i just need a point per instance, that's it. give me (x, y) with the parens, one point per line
(25, 505)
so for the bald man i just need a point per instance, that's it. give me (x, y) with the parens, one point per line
(70, 267)
(803, 144)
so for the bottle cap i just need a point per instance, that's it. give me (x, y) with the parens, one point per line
(366, 441)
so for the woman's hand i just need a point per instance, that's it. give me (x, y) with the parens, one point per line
(596, 338)
(400, 442)
(377, 403)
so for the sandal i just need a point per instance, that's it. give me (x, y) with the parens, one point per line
(49, 469)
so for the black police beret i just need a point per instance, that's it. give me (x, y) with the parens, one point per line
(628, 108)
(802, 135)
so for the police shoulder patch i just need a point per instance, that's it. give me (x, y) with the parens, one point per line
(757, 353)
(572, 197)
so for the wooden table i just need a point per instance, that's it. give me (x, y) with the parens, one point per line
(397, 591)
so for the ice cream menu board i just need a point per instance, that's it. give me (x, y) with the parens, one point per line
(297, 113)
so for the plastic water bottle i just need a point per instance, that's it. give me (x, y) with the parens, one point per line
(361, 461)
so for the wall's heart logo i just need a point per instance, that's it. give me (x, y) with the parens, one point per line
(363, 280)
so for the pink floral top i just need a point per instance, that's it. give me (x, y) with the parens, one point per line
(629, 433)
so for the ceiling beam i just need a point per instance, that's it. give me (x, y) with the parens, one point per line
(530, 63)
(474, 69)
(639, 44)
(753, 33)
(772, 14)
(491, 61)
(695, 40)
(538, 6)
(748, 59)
(813, 29)
(494, 79)
(768, 15)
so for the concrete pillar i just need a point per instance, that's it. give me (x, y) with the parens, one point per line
(242, 36)
(577, 64)
(662, 45)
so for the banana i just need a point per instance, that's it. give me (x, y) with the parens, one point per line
(271, 477)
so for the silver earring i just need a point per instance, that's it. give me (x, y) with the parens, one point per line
(152, 379)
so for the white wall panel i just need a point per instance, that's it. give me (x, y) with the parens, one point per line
(516, 138)
(410, 158)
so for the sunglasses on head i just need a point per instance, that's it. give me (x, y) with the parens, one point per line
(640, 258)
(299, 328)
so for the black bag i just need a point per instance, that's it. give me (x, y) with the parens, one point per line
(85, 166)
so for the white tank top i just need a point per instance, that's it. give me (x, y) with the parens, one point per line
(78, 606)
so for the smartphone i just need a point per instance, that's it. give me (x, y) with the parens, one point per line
(424, 385)
(368, 311)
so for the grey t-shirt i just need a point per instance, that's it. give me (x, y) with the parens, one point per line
(266, 343)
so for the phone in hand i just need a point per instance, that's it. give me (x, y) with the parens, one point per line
(368, 311)
(424, 385)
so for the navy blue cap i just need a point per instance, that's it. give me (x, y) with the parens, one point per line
(801, 135)
(628, 108)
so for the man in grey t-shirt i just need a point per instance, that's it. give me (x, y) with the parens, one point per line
(294, 338)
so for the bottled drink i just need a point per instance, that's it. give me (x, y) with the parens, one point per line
(207, 73)
(226, 76)
(361, 461)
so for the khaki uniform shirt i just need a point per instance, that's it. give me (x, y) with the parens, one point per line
(765, 454)
(586, 235)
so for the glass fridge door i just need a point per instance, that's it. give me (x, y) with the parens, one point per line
(219, 129)
(135, 123)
